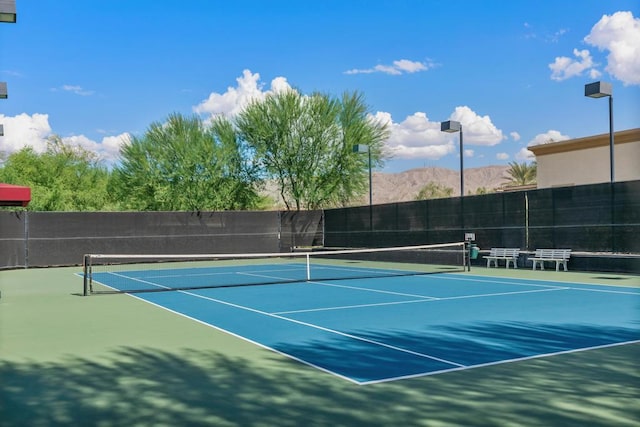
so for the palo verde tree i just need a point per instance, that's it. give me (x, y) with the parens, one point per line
(183, 164)
(305, 143)
(62, 178)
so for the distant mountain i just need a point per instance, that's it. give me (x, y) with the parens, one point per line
(405, 186)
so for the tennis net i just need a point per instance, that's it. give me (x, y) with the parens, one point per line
(114, 273)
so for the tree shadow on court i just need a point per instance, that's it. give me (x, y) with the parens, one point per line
(191, 388)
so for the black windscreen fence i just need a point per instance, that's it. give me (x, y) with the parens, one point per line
(589, 218)
(592, 218)
(38, 239)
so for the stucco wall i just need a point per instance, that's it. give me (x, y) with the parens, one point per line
(586, 160)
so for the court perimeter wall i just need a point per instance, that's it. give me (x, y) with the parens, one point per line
(39, 239)
(599, 222)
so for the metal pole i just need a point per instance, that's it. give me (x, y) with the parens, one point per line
(370, 192)
(461, 165)
(611, 161)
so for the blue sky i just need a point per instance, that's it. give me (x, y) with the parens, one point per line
(513, 72)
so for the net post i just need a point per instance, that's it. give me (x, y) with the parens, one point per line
(308, 268)
(86, 274)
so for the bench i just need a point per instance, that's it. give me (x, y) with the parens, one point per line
(507, 254)
(559, 256)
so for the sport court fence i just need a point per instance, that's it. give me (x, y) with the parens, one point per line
(40, 239)
(592, 218)
(588, 218)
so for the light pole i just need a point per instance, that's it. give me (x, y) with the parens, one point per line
(599, 90)
(3, 90)
(8, 11)
(452, 126)
(363, 148)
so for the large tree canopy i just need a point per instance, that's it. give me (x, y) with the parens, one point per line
(306, 144)
(183, 164)
(63, 178)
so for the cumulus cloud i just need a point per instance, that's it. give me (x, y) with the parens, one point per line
(26, 130)
(548, 137)
(231, 102)
(515, 136)
(402, 66)
(619, 34)
(417, 137)
(478, 130)
(107, 150)
(525, 155)
(502, 156)
(565, 67)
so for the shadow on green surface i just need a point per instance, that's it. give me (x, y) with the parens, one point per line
(190, 388)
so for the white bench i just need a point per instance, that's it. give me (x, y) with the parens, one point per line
(507, 254)
(559, 256)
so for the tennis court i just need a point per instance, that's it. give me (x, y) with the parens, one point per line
(379, 322)
(116, 359)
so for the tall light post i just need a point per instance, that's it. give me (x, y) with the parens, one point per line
(452, 126)
(600, 90)
(363, 148)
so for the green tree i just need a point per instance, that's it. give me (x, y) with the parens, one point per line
(522, 173)
(183, 164)
(63, 178)
(306, 144)
(433, 190)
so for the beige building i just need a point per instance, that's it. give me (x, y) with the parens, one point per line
(586, 160)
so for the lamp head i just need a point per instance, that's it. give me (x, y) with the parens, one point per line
(450, 126)
(598, 89)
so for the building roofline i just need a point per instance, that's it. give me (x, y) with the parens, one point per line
(621, 137)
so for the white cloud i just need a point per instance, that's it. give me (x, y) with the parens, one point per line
(502, 156)
(515, 136)
(32, 131)
(564, 67)
(525, 155)
(107, 150)
(619, 34)
(231, 102)
(417, 137)
(548, 137)
(401, 66)
(78, 90)
(24, 130)
(478, 130)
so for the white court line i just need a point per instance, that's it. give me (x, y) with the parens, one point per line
(346, 307)
(136, 280)
(423, 300)
(335, 285)
(527, 282)
(290, 268)
(322, 328)
(458, 367)
(500, 362)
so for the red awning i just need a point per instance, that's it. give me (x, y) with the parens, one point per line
(14, 195)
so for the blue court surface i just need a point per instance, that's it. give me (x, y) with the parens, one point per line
(382, 329)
